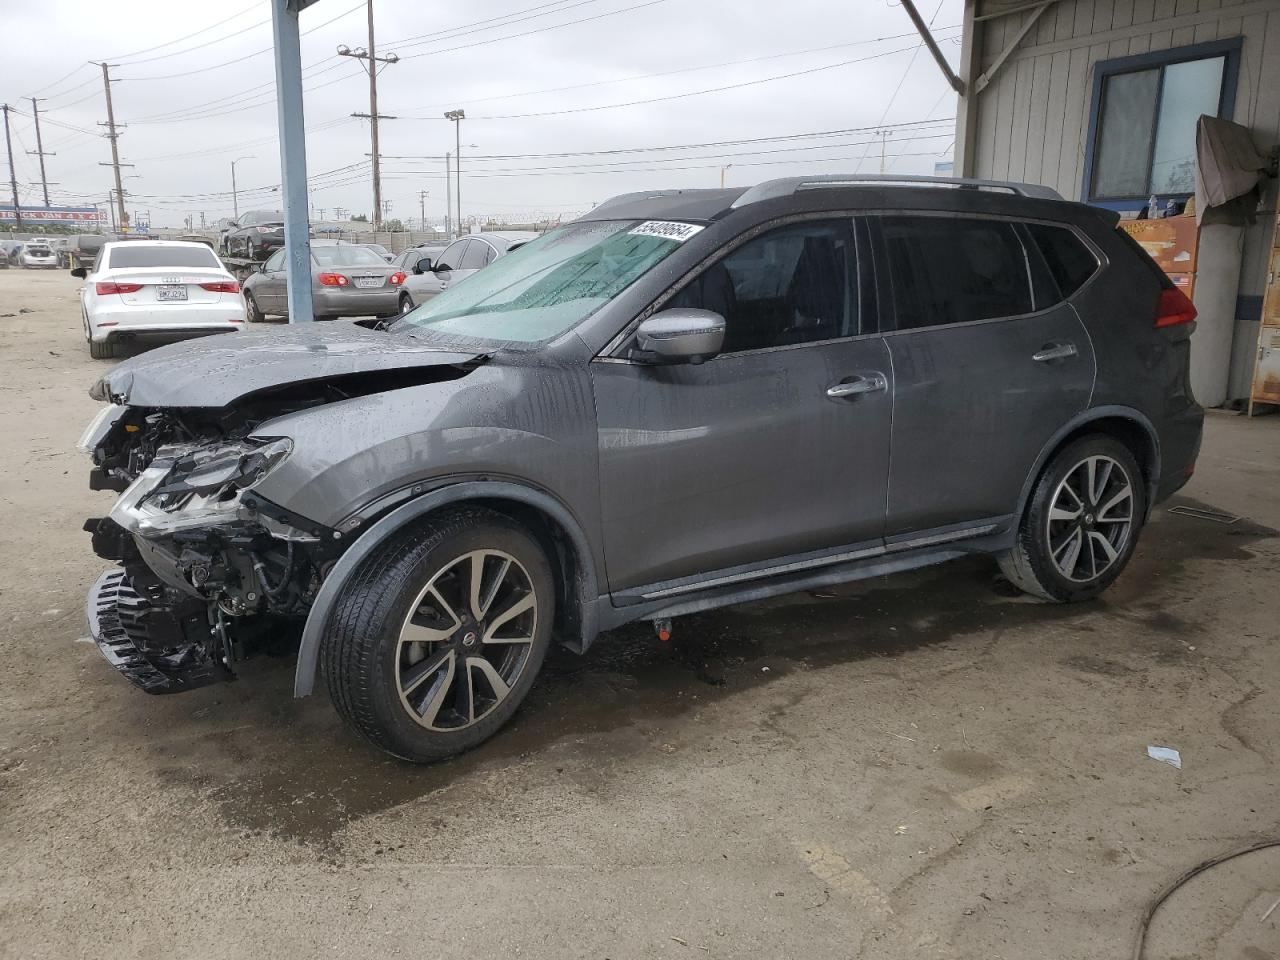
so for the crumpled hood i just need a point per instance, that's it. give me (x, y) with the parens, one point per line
(215, 371)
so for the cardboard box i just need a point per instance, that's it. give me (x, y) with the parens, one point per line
(1172, 243)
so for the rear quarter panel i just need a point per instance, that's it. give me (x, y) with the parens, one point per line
(1139, 366)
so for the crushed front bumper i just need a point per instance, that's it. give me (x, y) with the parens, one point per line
(119, 618)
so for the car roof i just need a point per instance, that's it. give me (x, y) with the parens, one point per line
(819, 192)
(160, 243)
(509, 236)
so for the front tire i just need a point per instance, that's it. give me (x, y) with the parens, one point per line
(251, 312)
(1081, 523)
(436, 639)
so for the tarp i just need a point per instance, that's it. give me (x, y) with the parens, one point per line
(1229, 170)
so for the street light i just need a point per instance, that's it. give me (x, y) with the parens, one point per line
(235, 200)
(448, 192)
(457, 116)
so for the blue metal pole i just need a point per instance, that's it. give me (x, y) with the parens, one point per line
(293, 156)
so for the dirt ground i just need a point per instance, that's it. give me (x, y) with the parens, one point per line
(916, 767)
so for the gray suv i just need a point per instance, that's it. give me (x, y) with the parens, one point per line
(683, 400)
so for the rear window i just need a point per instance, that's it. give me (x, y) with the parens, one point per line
(346, 257)
(149, 256)
(1070, 262)
(955, 270)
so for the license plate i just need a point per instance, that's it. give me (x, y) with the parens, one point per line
(368, 281)
(171, 292)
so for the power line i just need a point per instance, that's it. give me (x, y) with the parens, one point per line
(477, 26)
(247, 56)
(195, 33)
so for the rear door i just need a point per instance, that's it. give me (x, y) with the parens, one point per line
(988, 360)
(777, 447)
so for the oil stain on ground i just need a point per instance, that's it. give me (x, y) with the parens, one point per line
(288, 767)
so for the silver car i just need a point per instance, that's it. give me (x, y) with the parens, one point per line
(458, 261)
(346, 281)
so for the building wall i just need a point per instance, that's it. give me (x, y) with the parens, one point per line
(1033, 120)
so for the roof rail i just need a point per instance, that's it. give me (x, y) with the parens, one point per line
(786, 186)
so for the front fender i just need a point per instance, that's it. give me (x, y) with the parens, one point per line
(587, 587)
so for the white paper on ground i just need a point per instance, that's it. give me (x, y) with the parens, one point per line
(1165, 755)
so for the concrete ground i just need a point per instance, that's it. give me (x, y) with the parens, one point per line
(914, 767)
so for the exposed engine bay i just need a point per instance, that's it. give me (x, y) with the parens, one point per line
(209, 574)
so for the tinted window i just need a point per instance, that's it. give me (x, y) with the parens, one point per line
(474, 259)
(276, 262)
(452, 255)
(791, 285)
(146, 255)
(955, 270)
(489, 254)
(1070, 262)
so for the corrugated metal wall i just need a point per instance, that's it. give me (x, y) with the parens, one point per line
(1033, 118)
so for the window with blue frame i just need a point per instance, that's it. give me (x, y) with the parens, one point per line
(1142, 123)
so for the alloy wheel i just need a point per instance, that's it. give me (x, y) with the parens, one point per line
(1090, 518)
(466, 640)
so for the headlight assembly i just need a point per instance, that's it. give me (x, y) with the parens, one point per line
(187, 486)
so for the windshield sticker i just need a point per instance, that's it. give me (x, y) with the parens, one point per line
(668, 230)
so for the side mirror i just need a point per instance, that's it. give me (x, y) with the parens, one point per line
(423, 266)
(442, 269)
(80, 273)
(681, 335)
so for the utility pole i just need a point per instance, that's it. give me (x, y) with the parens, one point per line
(884, 138)
(13, 174)
(448, 198)
(422, 209)
(293, 157)
(39, 150)
(369, 59)
(113, 135)
(235, 197)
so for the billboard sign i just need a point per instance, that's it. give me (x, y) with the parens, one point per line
(65, 215)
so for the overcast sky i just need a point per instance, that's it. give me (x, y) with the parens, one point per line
(529, 75)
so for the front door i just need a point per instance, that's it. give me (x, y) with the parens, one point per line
(271, 291)
(778, 446)
(989, 363)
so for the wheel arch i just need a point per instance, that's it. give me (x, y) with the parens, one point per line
(1131, 427)
(550, 522)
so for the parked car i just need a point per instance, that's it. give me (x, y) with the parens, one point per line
(79, 250)
(9, 251)
(35, 255)
(347, 280)
(688, 398)
(224, 226)
(419, 258)
(455, 263)
(260, 232)
(381, 251)
(156, 289)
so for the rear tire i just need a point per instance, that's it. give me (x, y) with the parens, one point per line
(1081, 523)
(429, 651)
(406, 304)
(103, 350)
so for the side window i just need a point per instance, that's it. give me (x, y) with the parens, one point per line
(275, 263)
(451, 259)
(955, 270)
(473, 259)
(795, 284)
(1070, 262)
(489, 255)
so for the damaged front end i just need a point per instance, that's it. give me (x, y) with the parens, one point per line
(208, 572)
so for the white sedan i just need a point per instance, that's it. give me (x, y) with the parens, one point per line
(163, 289)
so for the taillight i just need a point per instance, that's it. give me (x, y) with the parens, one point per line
(333, 280)
(396, 278)
(1175, 308)
(105, 288)
(221, 286)
(266, 229)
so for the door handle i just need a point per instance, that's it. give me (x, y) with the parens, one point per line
(1054, 351)
(856, 386)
